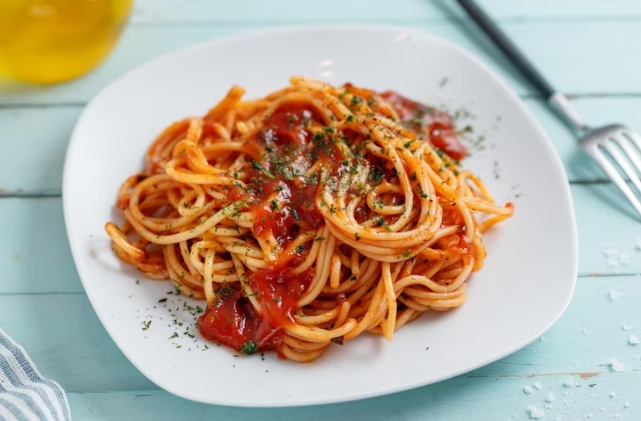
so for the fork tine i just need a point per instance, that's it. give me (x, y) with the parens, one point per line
(633, 136)
(621, 161)
(605, 164)
(631, 153)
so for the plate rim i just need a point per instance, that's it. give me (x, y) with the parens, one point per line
(555, 161)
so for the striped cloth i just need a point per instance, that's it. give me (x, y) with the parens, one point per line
(24, 394)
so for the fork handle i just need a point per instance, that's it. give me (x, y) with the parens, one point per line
(507, 47)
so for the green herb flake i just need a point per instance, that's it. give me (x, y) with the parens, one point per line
(295, 216)
(249, 348)
(260, 168)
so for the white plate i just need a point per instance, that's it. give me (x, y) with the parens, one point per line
(530, 271)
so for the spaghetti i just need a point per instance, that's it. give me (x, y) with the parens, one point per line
(308, 217)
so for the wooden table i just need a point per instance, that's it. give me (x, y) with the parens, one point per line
(589, 49)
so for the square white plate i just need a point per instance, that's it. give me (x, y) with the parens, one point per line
(530, 270)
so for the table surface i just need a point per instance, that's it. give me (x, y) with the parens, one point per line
(588, 49)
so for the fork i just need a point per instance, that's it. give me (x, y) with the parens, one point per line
(615, 148)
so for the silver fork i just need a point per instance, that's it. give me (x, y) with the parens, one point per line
(615, 148)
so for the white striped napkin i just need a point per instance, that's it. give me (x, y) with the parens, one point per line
(24, 394)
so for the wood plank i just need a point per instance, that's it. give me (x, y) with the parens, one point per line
(39, 136)
(34, 254)
(66, 341)
(457, 399)
(198, 11)
(36, 141)
(563, 50)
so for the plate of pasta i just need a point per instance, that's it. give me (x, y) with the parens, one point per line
(315, 215)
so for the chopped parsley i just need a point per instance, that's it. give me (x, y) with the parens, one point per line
(260, 168)
(249, 348)
(295, 215)
(377, 175)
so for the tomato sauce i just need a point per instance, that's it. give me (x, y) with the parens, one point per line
(281, 197)
(278, 291)
(282, 194)
(429, 123)
(232, 321)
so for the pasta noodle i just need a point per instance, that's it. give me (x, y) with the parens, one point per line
(308, 217)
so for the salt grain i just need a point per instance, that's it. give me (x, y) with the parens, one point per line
(626, 404)
(527, 389)
(610, 252)
(613, 394)
(615, 295)
(550, 397)
(542, 338)
(626, 327)
(569, 382)
(538, 385)
(602, 409)
(615, 365)
(611, 257)
(633, 340)
(534, 412)
(624, 259)
(584, 331)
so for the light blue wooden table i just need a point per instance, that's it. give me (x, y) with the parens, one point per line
(589, 49)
